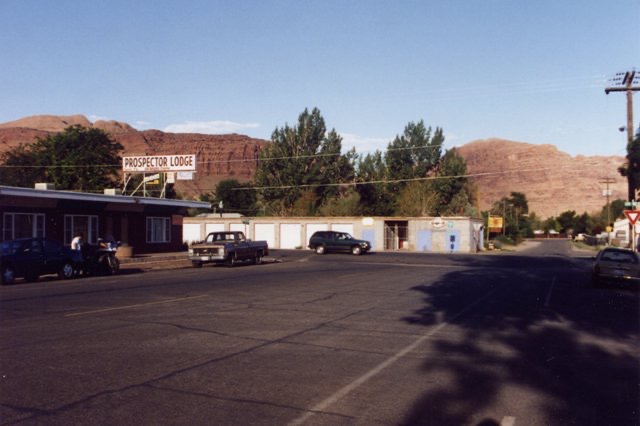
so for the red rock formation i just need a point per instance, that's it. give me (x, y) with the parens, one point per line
(552, 181)
(219, 157)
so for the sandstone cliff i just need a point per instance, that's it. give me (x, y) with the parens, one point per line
(552, 181)
(219, 156)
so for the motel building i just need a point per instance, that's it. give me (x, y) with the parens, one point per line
(142, 225)
(414, 234)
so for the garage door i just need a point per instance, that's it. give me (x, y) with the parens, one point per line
(266, 232)
(343, 227)
(213, 227)
(190, 232)
(290, 235)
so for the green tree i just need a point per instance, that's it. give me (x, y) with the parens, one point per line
(567, 220)
(301, 159)
(450, 186)
(416, 199)
(235, 197)
(631, 169)
(375, 197)
(413, 154)
(20, 168)
(78, 159)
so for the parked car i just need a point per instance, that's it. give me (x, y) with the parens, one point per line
(333, 241)
(616, 265)
(227, 248)
(29, 258)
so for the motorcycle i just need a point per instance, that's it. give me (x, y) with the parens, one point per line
(100, 259)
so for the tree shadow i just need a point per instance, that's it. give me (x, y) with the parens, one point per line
(573, 358)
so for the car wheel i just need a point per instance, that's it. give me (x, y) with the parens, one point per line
(258, 259)
(67, 271)
(320, 249)
(197, 264)
(356, 250)
(8, 275)
(229, 261)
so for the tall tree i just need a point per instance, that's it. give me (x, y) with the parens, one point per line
(375, 197)
(235, 197)
(19, 168)
(298, 160)
(414, 153)
(450, 185)
(78, 158)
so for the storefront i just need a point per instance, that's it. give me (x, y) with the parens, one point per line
(148, 225)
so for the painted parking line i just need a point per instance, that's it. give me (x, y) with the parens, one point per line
(139, 305)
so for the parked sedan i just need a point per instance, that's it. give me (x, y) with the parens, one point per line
(333, 241)
(30, 258)
(616, 265)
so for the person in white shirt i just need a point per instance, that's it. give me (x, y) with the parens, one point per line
(76, 243)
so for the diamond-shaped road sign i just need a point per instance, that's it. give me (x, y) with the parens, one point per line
(632, 215)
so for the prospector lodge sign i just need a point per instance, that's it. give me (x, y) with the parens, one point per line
(159, 163)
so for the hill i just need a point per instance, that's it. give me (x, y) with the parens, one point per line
(219, 157)
(552, 180)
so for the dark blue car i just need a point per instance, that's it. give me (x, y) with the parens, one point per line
(29, 258)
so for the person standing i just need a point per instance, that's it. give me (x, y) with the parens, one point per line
(76, 243)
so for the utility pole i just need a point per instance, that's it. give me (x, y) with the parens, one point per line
(607, 192)
(628, 82)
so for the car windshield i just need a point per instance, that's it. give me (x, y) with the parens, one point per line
(618, 256)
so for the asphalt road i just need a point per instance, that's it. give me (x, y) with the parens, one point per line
(508, 339)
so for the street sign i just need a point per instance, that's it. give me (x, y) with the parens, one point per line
(632, 215)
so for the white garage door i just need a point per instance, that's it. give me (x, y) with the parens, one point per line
(290, 235)
(190, 232)
(213, 227)
(343, 227)
(266, 232)
(240, 227)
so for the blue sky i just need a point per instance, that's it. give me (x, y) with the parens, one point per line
(524, 70)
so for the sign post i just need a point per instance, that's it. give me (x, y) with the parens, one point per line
(632, 216)
(168, 165)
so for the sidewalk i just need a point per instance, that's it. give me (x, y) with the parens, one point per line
(173, 260)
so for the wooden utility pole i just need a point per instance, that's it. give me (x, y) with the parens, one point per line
(607, 192)
(628, 82)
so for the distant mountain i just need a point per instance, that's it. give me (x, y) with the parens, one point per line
(552, 181)
(219, 157)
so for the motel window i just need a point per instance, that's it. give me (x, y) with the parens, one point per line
(22, 225)
(75, 224)
(158, 230)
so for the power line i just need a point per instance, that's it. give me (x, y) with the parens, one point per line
(295, 157)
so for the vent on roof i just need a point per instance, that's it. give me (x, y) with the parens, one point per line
(46, 186)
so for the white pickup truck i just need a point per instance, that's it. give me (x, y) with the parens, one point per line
(227, 248)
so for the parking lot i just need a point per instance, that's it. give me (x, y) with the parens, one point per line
(386, 338)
